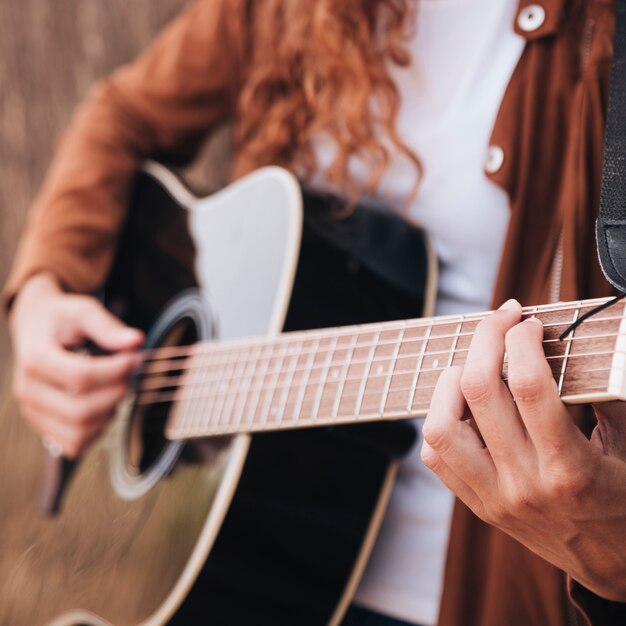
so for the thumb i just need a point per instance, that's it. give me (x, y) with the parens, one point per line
(94, 322)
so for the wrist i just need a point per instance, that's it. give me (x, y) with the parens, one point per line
(40, 285)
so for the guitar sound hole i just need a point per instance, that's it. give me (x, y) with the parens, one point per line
(146, 438)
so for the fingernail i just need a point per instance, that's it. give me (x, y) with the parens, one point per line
(510, 305)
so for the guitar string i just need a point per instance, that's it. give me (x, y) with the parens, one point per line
(173, 365)
(180, 366)
(171, 381)
(154, 382)
(172, 351)
(228, 427)
(157, 397)
(349, 331)
(414, 323)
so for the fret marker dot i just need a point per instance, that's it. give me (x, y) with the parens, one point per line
(379, 369)
(334, 375)
(435, 363)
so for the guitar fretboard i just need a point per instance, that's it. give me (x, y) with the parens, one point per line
(357, 373)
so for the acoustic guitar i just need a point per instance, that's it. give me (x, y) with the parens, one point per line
(246, 475)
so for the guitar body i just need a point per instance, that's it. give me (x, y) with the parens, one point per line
(272, 529)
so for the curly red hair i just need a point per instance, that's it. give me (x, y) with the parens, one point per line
(321, 66)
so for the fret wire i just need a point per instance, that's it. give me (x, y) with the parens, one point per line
(251, 365)
(194, 404)
(392, 367)
(568, 348)
(224, 384)
(417, 339)
(420, 411)
(366, 371)
(150, 376)
(182, 409)
(404, 372)
(157, 381)
(264, 361)
(287, 387)
(418, 369)
(234, 388)
(225, 346)
(206, 409)
(304, 383)
(323, 378)
(505, 379)
(267, 404)
(221, 385)
(179, 417)
(456, 341)
(431, 369)
(413, 323)
(344, 375)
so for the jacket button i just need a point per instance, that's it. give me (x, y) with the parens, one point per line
(531, 18)
(495, 159)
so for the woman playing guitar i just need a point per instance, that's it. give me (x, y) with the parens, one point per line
(484, 125)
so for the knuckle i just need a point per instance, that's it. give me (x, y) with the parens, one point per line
(80, 381)
(438, 437)
(526, 386)
(80, 303)
(495, 513)
(521, 500)
(475, 386)
(430, 458)
(79, 414)
(80, 306)
(570, 484)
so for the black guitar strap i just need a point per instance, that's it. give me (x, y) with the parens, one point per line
(611, 223)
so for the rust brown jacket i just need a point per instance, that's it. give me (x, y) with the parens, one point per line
(550, 128)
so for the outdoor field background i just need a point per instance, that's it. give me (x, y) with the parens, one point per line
(50, 54)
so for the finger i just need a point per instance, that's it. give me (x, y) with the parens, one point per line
(81, 373)
(487, 396)
(448, 433)
(73, 410)
(549, 424)
(72, 440)
(451, 480)
(90, 320)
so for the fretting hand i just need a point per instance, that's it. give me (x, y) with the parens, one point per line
(533, 474)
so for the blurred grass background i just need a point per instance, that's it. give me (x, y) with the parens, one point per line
(50, 54)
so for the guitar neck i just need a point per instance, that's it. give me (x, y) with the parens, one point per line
(362, 373)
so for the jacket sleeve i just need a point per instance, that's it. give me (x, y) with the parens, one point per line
(157, 106)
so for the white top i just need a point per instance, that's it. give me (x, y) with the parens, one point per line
(464, 52)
